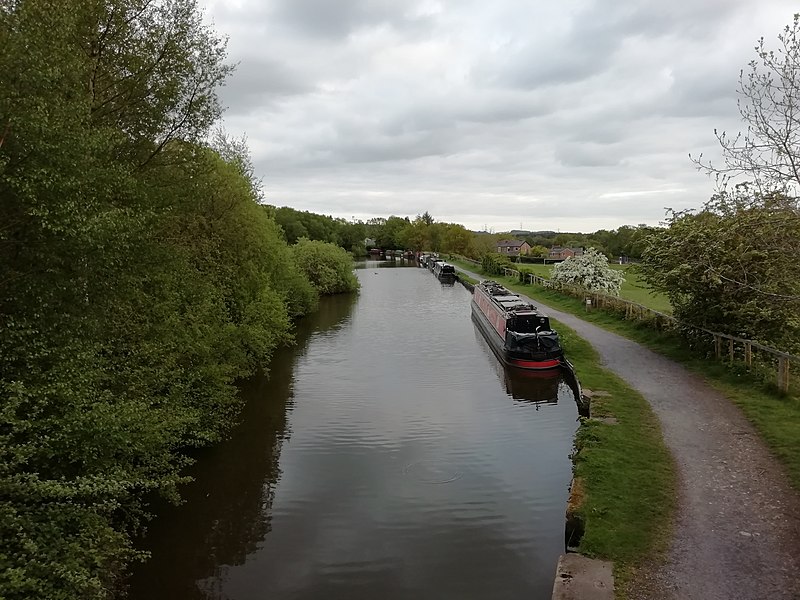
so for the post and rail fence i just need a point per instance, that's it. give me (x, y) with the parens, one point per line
(733, 349)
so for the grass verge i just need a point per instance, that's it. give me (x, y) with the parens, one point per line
(626, 472)
(464, 277)
(633, 288)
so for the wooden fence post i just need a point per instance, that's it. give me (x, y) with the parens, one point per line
(783, 374)
(717, 346)
(730, 350)
(748, 355)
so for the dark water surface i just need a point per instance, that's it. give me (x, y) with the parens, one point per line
(389, 456)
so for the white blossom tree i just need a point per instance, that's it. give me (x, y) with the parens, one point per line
(589, 271)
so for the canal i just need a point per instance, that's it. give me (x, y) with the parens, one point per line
(388, 455)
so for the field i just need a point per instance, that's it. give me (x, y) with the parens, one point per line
(633, 288)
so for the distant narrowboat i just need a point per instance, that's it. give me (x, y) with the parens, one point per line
(444, 270)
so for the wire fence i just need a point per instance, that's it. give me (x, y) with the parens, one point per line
(771, 363)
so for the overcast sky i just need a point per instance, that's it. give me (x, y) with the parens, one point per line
(571, 116)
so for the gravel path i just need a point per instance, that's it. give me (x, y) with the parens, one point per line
(737, 530)
(737, 533)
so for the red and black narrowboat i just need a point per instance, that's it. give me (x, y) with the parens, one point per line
(517, 332)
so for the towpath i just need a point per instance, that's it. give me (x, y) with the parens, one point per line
(737, 529)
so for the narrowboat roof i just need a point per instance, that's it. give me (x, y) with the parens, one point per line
(508, 300)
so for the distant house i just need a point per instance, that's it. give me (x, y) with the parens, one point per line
(513, 247)
(559, 253)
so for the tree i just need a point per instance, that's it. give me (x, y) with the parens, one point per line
(426, 218)
(538, 251)
(732, 267)
(456, 239)
(236, 153)
(768, 152)
(415, 235)
(152, 68)
(138, 279)
(589, 271)
(388, 234)
(481, 244)
(328, 267)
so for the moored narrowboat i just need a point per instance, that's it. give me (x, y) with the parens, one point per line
(517, 332)
(444, 270)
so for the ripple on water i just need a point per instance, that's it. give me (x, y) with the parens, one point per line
(415, 467)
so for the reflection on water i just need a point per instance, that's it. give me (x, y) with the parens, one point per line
(226, 512)
(386, 456)
(385, 263)
(536, 387)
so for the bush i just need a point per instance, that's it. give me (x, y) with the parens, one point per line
(493, 263)
(328, 267)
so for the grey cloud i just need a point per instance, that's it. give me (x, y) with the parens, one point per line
(587, 46)
(469, 106)
(260, 81)
(355, 147)
(334, 20)
(549, 62)
(487, 113)
(586, 155)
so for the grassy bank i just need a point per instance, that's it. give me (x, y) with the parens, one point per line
(464, 277)
(633, 288)
(625, 472)
(775, 416)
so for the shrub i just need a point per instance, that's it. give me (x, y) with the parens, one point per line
(493, 263)
(327, 266)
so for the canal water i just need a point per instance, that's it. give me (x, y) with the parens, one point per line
(388, 455)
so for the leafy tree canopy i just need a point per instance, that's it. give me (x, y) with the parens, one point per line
(139, 277)
(732, 267)
(328, 267)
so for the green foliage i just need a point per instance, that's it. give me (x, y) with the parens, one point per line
(493, 263)
(389, 236)
(303, 224)
(138, 279)
(732, 268)
(624, 241)
(328, 267)
(456, 239)
(539, 251)
(416, 235)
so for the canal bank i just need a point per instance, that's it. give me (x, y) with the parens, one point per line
(737, 522)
